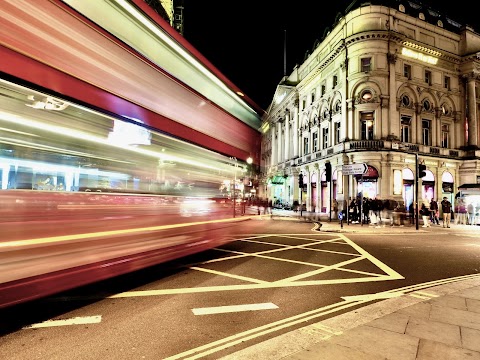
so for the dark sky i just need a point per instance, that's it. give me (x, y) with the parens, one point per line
(247, 40)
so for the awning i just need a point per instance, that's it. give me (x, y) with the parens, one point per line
(470, 189)
(469, 186)
(277, 180)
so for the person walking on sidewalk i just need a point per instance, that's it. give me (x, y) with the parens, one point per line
(425, 212)
(434, 212)
(447, 211)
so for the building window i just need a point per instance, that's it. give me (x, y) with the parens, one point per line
(446, 82)
(336, 134)
(304, 104)
(426, 105)
(367, 125)
(406, 122)
(338, 106)
(325, 114)
(405, 101)
(426, 126)
(313, 96)
(428, 77)
(335, 81)
(323, 90)
(305, 145)
(325, 137)
(315, 141)
(445, 135)
(407, 71)
(366, 64)
(367, 96)
(445, 109)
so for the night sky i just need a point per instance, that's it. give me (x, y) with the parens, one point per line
(250, 40)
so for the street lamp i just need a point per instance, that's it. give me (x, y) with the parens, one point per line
(234, 196)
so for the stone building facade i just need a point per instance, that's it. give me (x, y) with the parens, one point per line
(391, 86)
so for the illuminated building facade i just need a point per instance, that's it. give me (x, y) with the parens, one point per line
(389, 86)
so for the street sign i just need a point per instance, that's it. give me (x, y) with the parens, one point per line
(354, 169)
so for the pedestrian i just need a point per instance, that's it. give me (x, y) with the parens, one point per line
(353, 211)
(462, 212)
(434, 212)
(425, 213)
(447, 211)
(471, 214)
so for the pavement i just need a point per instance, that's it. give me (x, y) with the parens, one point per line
(439, 320)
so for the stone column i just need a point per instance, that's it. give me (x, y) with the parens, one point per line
(417, 131)
(296, 126)
(279, 142)
(308, 200)
(319, 189)
(472, 113)
(391, 103)
(274, 144)
(350, 126)
(287, 136)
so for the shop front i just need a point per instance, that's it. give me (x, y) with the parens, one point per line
(367, 183)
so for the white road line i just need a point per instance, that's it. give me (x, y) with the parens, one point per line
(66, 322)
(233, 308)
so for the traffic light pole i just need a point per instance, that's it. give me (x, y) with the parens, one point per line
(300, 185)
(416, 191)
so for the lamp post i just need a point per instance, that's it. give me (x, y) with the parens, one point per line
(249, 174)
(234, 185)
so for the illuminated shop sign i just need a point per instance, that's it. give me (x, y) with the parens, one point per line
(419, 56)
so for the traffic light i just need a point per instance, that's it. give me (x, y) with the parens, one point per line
(422, 171)
(328, 171)
(300, 180)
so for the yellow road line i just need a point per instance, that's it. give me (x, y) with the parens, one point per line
(46, 240)
(238, 277)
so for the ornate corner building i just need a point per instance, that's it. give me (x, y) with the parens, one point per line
(390, 86)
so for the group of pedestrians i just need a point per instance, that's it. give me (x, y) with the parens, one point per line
(372, 211)
(430, 212)
(376, 211)
(465, 214)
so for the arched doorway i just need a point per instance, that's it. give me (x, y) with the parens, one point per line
(428, 186)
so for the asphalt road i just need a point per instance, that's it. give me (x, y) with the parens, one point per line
(277, 277)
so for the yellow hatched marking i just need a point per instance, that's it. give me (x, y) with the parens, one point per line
(257, 281)
(319, 271)
(418, 296)
(427, 294)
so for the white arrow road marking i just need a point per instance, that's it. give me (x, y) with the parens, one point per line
(73, 321)
(233, 308)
